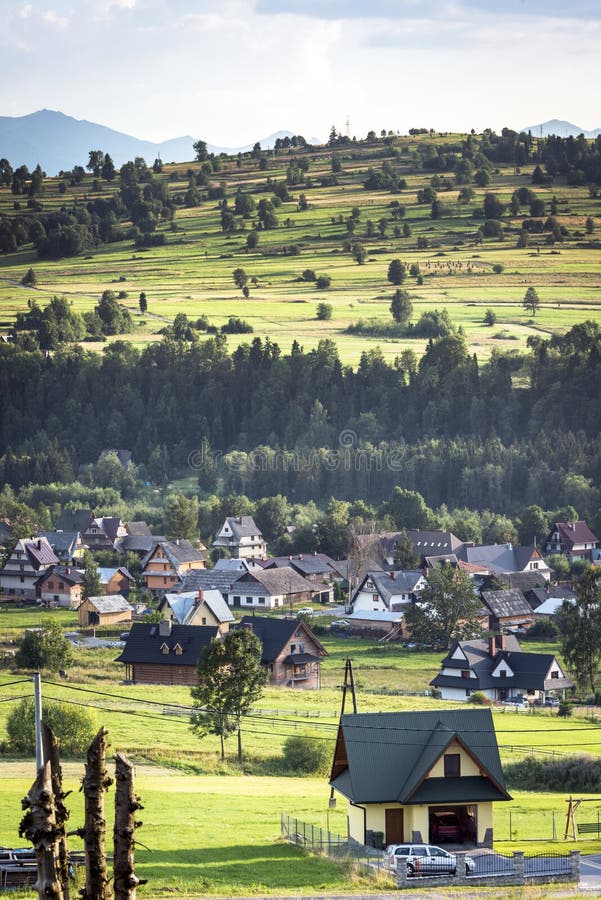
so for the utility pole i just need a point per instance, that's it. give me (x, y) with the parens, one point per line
(39, 747)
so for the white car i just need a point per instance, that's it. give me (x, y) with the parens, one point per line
(425, 859)
(305, 611)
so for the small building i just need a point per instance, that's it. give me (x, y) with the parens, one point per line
(97, 532)
(503, 559)
(398, 770)
(67, 545)
(241, 537)
(165, 653)
(572, 539)
(499, 668)
(388, 591)
(60, 585)
(507, 609)
(115, 580)
(271, 589)
(105, 610)
(202, 607)
(168, 562)
(30, 558)
(291, 652)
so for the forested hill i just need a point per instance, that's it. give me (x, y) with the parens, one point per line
(496, 435)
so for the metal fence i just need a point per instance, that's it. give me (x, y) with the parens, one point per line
(548, 863)
(321, 840)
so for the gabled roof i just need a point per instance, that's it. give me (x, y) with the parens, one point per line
(75, 520)
(525, 581)
(39, 552)
(574, 533)
(510, 602)
(499, 558)
(207, 579)
(183, 605)
(144, 644)
(274, 582)
(68, 574)
(61, 541)
(242, 526)
(386, 757)
(110, 603)
(177, 552)
(274, 634)
(105, 574)
(391, 584)
(304, 564)
(139, 543)
(551, 604)
(110, 525)
(524, 670)
(139, 528)
(433, 543)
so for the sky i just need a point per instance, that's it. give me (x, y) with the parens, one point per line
(233, 71)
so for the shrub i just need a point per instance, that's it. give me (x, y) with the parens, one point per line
(572, 773)
(323, 282)
(565, 709)
(73, 726)
(324, 311)
(306, 755)
(490, 317)
(308, 275)
(234, 325)
(479, 698)
(45, 648)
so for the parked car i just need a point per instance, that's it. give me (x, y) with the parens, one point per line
(517, 701)
(305, 611)
(425, 859)
(341, 624)
(551, 701)
(445, 826)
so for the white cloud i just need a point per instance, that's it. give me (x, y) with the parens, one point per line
(25, 10)
(51, 17)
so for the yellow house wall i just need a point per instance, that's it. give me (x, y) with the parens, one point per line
(468, 766)
(415, 819)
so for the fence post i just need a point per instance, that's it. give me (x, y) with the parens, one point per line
(575, 865)
(518, 865)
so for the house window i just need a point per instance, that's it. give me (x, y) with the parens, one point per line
(236, 599)
(465, 673)
(164, 648)
(555, 674)
(178, 649)
(468, 692)
(204, 620)
(293, 648)
(502, 673)
(452, 765)
(249, 599)
(262, 600)
(301, 648)
(534, 565)
(60, 585)
(375, 598)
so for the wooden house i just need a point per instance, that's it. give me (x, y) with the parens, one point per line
(241, 537)
(166, 565)
(60, 585)
(398, 770)
(201, 607)
(105, 610)
(30, 558)
(165, 653)
(291, 652)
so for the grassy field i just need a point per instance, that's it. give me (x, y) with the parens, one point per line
(192, 273)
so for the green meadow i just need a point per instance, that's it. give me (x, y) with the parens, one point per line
(192, 273)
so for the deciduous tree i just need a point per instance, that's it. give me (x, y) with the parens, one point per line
(580, 628)
(447, 608)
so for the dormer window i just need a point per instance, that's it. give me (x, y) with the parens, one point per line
(178, 649)
(452, 765)
(164, 648)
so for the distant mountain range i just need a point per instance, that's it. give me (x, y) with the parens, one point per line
(561, 128)
(57, 141)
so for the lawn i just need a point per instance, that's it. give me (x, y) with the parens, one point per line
(192, 273)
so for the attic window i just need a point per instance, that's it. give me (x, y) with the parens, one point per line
(555, 674)
(465, 673)
(452, 765)
(178, 649)
(164, 648)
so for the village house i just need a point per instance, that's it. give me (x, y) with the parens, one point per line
(165, 653)
(115, 580)
(240, 537)
(168, 562)
(398, 770)
(499, 668)
(502, 559)
(97, 532)
(291, 653)
(271, 589)
(507, 610)
(572, 539)
(30, 558)
(61, 585)
(105, 610)
(202, 607)
(387, 591)
(67, 545)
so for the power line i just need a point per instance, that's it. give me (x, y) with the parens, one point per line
(9, 683)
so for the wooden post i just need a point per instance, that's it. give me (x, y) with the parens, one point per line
(126, 805)
(39, 825)
(50, 754)
(94, 785)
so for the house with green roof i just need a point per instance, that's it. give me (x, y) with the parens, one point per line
(399, 770)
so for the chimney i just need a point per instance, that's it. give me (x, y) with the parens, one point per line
(198, 598)
(393, 576)
(492, 646)
(500, 641)
(68, 570)
(165, 627)
(39, 543)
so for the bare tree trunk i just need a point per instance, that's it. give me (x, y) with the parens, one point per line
(50, 745)
(94, 785)
(39, 825)
(126, 804)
